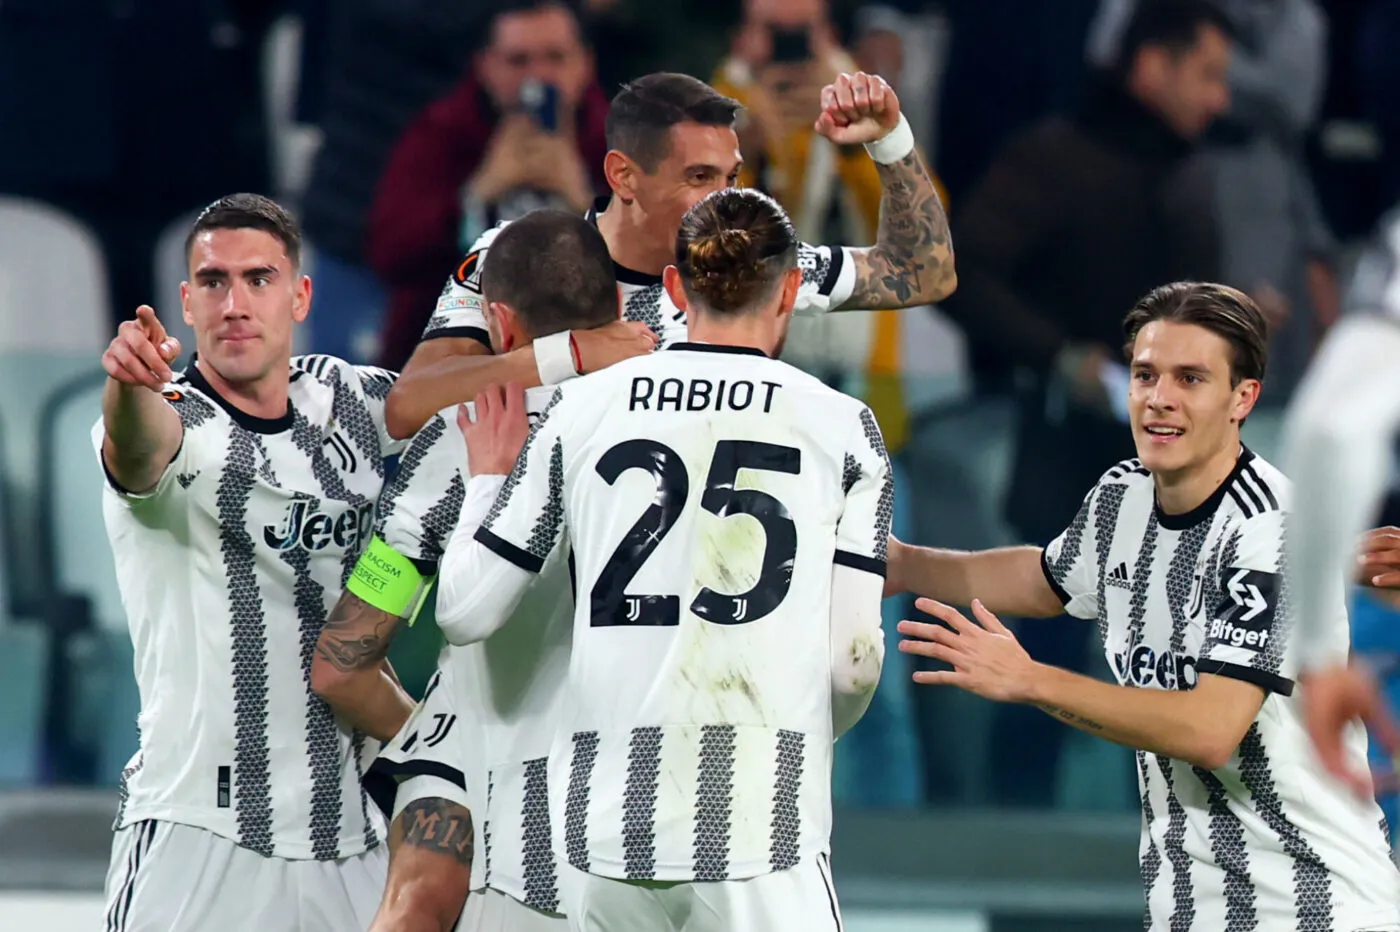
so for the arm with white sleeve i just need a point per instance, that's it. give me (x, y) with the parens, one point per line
(490, 562)
(1339, 435)
(858, 576)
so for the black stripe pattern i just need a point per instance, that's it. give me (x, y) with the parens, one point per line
(850, 474)
(577, 799)
(1228, 849)
(639, 803)
(409, 463)
(546, 531)
(714, 801)
(486, 824)
(1150, 861)
(1174, 845)
(1142, 577)
(1110, 503)
(787, 818)
(522, 463)
(1312, 887)
(537, 858)
(440, 520)
(124, 786)
(644, 306)
(884, 511)
(252, 795)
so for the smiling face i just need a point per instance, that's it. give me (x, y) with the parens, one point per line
(1184, 411)
(702, 159)
(243, 298)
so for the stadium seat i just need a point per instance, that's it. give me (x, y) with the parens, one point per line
(294, 144)
(54, 301)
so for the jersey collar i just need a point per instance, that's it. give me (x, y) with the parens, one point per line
(717, 348)
(1206, 509)
(624, 275)
(258, 425)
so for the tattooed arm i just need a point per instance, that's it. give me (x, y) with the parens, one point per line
(911, 262)
(350, 672)
(431, 845)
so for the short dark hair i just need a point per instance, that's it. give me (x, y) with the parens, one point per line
(643, 112)
(1226, 312)
(250, 212)
(733, 248)
(554, 270)
(1172, 24)
(491, 15)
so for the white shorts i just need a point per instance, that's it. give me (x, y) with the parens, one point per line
(492, 911)
(167, 877)
(802, 899)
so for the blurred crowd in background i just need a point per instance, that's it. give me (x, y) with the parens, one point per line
(1087, 150)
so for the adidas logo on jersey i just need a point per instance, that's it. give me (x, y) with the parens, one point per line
(316, 530)
(1119, 577)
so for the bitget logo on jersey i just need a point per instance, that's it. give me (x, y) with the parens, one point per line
(311, 529)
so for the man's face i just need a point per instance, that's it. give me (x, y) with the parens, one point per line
(543, 45)
(1189, 90)
(703, 159)
(785, 14)
(1181, 405)
(242, 299)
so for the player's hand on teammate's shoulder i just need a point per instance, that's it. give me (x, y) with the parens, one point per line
(141, 352)
(1335, 697)
(1379, 561)
(600, 347)
(987, 659)
(494, 439)
(857, 108)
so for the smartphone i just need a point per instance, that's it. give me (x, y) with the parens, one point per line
(791, 46)
(541, 102)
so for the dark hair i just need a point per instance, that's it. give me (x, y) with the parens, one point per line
(250, 212)
(643, 112)
(553, 268)
(492, 14)
(1173, 24)
(1226, 312)
(732, 249)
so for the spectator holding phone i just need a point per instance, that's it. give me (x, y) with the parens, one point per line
(523, 129)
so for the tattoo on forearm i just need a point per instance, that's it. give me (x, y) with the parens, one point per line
(1070, 718)
(912, 259)
(440, 826)
(357, 635)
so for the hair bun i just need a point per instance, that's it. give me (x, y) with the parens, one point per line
(722, 252)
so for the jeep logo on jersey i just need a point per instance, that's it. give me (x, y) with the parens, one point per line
(1145, 667)
(1245, 617)
(315, 530)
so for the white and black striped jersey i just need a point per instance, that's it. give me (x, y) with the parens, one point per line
(228, 568)
(708, 494)
(497, 697)
(1269, 841)
(828, 278)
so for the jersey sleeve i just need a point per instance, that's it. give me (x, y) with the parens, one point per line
(1071, 561)
(1247, 631)
(461, 308)
(180, 472)
(419, 507)
(828, 278)
(376, 383)
(863, 531)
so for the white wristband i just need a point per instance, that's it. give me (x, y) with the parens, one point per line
(894, 145)
(554, 359)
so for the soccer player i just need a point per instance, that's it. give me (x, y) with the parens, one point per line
(240, 493)
(1178, 556)
(672, 142)
(475, 749)
(1340, 440)
(725, 517)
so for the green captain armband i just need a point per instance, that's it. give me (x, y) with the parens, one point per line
(389, 581)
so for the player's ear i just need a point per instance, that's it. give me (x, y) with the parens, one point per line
(185, 305)
(792, 282)
(671, 279)
(507, 325)
(621, 173)
(1246, 396)
(301, 301)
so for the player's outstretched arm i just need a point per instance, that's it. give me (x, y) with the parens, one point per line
(1201, 726)
(911, 262)
(1337, 451)
(349, 670)
(449, 371)
(142, 431)
(1009, 580)
(431, 846)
